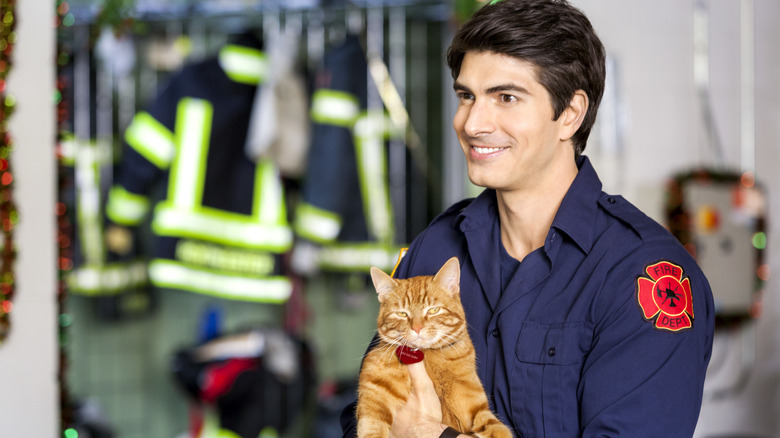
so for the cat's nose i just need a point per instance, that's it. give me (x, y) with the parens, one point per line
(417, 329)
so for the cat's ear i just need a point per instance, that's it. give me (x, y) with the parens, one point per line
(382, 282)
(448, 276)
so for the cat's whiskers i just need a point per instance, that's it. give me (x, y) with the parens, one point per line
(457, 344)
(391, 347)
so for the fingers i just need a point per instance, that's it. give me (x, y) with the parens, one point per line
(420, 379)
(423, 392)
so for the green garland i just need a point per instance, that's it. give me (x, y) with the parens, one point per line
(64, 18)
(9, 216)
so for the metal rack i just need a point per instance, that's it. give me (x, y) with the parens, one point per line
(114, 363)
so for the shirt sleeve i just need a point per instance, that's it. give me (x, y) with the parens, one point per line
(148, 149)
(645, 373)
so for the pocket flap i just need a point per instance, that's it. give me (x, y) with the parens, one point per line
(553, 344)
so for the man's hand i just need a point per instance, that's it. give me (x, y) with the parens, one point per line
(420, 417)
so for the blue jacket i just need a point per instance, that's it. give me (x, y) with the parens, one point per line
(606, 330)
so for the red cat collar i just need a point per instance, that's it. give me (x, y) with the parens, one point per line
(408, 356)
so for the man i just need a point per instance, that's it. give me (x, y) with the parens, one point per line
(588, 318)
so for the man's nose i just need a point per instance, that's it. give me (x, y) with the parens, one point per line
(480, 120)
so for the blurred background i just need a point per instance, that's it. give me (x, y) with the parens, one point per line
(223, 291)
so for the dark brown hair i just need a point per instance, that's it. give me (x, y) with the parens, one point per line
(554, 36)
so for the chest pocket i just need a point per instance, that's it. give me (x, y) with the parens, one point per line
(544, 378)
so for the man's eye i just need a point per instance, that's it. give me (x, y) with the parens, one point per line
(507, 98)
(462, 95)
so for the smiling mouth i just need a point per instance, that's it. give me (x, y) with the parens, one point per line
(487, 150)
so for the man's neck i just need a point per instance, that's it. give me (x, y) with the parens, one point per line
(526, 215)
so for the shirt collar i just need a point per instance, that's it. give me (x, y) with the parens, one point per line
(480, 211)
(576, 214)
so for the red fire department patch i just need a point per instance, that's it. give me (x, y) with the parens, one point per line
(665, 297)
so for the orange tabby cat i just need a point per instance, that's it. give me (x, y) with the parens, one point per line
(423, 313)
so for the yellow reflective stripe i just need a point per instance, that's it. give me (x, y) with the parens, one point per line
(358, 257)
(126, 208)
(151, 139)
(332, 107)
(225, 258)
(268, 432)
(401, 255)
(168, 273)
(67, 148)
(268, 204)
(316, 224)
(374, 124)
(225, 433)
(183, 215)
(244, 64)
(221, 227)
(90, 226)
(210, 426)
(193, 129)
(110, 279)
(370, 131)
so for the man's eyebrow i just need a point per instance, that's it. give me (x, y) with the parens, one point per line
(507, 87)
(457, 86)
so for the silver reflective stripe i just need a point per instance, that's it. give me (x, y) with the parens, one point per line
(107, 280)
(126, 208)
(370, 133)
(243, 64)
(166, 273)
(316, 224)
(151, 139)
(358, 257)
(334, 107)
(222, 227)
(193, 128)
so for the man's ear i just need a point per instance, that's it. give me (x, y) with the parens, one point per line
(573, 115)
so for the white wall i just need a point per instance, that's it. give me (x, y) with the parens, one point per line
(28, 360)
(652, 43)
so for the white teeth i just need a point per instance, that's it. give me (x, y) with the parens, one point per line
(486, 150)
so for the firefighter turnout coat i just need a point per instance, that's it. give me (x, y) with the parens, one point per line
(221, 226)
(346, 207)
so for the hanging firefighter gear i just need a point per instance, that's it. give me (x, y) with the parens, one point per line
(253, 383)
(118, 283)
(346, 207)
(221, 228)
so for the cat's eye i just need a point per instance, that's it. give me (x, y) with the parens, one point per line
(434, 310)
(404, 314)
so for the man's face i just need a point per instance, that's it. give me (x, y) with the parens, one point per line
(505, 125)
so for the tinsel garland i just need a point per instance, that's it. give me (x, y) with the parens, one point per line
(8, 214)
(64, 18)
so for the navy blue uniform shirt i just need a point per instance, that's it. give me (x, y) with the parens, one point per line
(604, 331)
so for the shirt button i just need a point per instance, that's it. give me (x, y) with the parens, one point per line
(611, 200)
(495, 333)
(551, 351)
